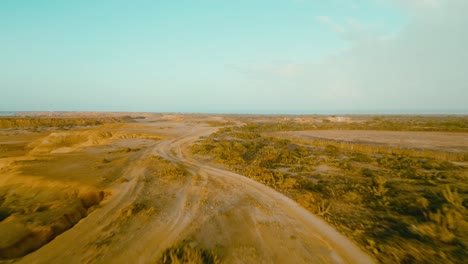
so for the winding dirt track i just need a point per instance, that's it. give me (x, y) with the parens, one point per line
(241, 220)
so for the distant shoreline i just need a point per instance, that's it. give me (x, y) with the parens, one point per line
(253, 113)
(6, 113)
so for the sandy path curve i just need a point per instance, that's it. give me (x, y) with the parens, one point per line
(310, 238)
(241, 220)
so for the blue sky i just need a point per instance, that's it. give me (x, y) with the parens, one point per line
(276, 56)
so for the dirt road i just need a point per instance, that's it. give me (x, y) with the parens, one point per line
(240, 220)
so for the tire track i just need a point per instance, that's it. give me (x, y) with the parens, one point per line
(321, 236)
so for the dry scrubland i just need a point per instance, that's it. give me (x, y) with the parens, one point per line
(57, 122)
(401, 196)
(168, 189)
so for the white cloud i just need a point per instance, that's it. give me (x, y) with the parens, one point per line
(352, 29)
(421, 3)
(277, 69)
(418, 7)
(422, 68)
(331, 23)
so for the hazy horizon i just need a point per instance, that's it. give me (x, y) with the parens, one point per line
(257, 56)
(271, 112)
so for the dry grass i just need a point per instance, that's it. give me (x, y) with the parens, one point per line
(188, 252)
(31, 122)
(449, 123)
(400, 206)
(375, 149)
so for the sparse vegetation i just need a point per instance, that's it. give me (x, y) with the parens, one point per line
(400, 205)
(397, 205)
(360, 149)
(188, 252)
(61, 122)
(220, 123)
(389, 123)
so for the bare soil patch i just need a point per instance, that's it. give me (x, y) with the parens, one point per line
(441, 141)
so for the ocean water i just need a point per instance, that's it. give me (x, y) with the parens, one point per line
(5, 113)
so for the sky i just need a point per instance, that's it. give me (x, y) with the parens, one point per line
(243, 56)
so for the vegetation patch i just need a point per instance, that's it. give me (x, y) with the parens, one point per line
(449, 123)
(188, 252)
(399, 207)
(36, 122)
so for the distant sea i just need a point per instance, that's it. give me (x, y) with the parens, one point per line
(3, 113)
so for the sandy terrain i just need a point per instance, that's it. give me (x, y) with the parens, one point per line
(110, 195)
(440, 141)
